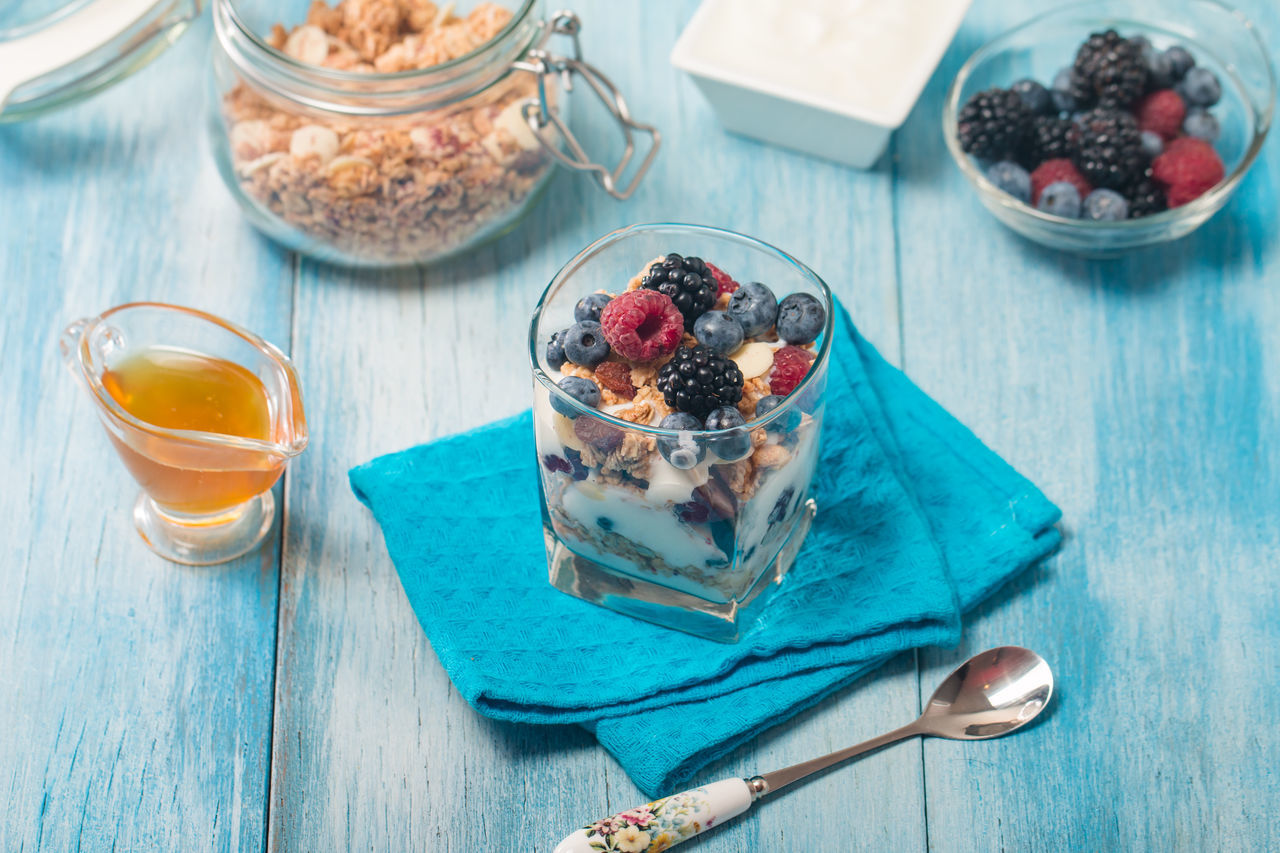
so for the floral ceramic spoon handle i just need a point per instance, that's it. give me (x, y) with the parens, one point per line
(663, 823)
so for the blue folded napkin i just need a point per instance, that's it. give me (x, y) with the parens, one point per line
(917, 522)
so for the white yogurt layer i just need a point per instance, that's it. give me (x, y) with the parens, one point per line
(651, 525)
(548, 438)
(866, 57)
(795, 475)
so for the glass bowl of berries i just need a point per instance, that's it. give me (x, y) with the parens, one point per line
(679, 375)
(1110, 125)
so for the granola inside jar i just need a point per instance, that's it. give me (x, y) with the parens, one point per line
(385, 132)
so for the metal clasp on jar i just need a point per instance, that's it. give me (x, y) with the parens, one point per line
(542, 113)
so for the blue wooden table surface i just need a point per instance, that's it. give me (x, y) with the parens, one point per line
(289, 700)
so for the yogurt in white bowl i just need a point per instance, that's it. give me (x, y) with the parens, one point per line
(832, 78)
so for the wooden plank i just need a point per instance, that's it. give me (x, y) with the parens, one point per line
(374, 750)
(134, 694)
(1141, 395)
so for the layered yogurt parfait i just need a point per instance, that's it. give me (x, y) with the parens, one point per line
(679, 375)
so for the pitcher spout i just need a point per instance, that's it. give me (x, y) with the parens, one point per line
(293, 422)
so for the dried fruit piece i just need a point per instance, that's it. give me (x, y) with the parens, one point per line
(717, 497)
(616, 376)
(555, 463)
(602, 436)
(692, 512)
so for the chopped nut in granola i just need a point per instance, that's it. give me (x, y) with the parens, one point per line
(753, 390)
(771, 456)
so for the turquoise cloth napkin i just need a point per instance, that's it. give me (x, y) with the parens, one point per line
(917, 522)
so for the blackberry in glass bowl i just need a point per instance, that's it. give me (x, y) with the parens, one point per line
(1167, 107)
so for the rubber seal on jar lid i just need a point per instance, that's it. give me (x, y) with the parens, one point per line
(82, 48)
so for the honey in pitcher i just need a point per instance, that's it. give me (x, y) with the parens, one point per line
(176, 389)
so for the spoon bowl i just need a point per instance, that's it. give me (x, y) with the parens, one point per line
(991, 694)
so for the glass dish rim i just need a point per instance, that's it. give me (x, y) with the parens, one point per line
(102, 67)
(819, 362)
(33, 26)
(104, 398)
(320, 72)
(1205, 205)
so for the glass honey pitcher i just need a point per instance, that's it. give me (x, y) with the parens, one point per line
(204, 414)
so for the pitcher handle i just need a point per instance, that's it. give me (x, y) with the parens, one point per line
(69, 344)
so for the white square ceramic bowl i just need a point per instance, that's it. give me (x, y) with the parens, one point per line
(832, 78)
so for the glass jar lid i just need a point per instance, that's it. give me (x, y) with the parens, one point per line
(56, 52)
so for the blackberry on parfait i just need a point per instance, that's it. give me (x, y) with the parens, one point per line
(697, 381)
(688, 281)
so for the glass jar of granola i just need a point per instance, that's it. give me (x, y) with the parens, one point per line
(677, 417)
(392, 132)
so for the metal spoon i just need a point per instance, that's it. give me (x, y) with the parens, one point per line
(991, 694)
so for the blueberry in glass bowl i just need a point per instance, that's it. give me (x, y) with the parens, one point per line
(1155, 112)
